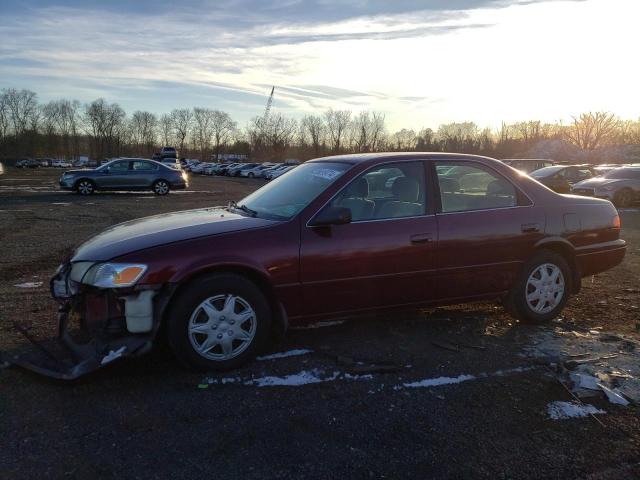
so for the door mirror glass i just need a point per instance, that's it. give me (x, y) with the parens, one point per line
(332, 216)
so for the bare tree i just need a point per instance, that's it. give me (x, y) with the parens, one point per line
(67, 120)
(50, 114)
(425, 141)
(182, 123)
(337, 122)
(366, 130)
(458, 137)
(166, 130)
(104, 124)
(203, 130)
(592, 130)
(405, 140)
(315, 128)
(23, 106)
(223, 128)
(143, 126)
(4, 116)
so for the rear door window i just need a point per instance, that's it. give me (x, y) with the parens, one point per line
(466, 187)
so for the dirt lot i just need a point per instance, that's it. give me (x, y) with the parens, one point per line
(461, 392)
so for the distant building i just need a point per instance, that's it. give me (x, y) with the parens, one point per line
(230, 157)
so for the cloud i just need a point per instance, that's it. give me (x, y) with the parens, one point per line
(403, 56)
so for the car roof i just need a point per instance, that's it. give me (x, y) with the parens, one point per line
(356, 158)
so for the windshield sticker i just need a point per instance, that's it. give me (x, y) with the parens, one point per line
(326, 173)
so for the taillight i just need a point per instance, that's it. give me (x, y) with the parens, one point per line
(616, 222)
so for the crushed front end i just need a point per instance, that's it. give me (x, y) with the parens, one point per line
(96, 324)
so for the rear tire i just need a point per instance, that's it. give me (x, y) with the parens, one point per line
(85, 187)
(542, 290)
(218, 323)
(161, 187)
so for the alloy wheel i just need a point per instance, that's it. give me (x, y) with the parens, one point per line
(222, 327)
(85, 187)
(161, 187)
(545, 288)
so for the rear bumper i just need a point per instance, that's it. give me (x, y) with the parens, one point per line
(601, 257)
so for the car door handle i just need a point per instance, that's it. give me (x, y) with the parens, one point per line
(530, 227)
(421, 238)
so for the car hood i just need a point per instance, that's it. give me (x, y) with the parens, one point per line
(597, 182)
(162, 229)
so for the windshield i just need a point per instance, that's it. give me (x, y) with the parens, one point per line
(545, 172)
(623, 173)
(288, 194)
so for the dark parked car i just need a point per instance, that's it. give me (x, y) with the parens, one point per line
(528, 165)
(560, 178)
(620, 185)
(335, 236)
(168, 152)
(125, 174)
(28, 163)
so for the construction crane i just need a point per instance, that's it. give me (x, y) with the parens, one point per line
(265, 117)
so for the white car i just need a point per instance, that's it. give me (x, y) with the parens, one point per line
(277, 173)
(212, 168)
(61, 164)
(275, 168)
(171, 162)
(256, 171)
(199, 168)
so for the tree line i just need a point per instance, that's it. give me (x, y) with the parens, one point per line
(68, 128)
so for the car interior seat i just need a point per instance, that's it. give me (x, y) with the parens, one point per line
(361, 207)
(406, 190)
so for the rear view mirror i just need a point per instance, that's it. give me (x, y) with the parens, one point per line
(332, 216)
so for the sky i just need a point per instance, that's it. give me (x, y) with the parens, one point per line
(422, 63)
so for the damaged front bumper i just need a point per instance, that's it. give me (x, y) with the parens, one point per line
(95, 328)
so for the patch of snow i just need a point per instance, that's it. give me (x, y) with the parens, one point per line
(328, 323)
(564, 410)
(28, 285)
(436, 382)
(222, 381)
(290, 353)
(294, 380)
(61, 203)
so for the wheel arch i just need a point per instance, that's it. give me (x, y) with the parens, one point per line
(564, 248)
(279, 316)
(81, 179)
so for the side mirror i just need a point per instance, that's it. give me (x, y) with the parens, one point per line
(332, 216)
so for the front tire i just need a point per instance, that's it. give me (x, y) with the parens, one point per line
(161, 187)
(85, 187)
(218, 323)
(542, 290)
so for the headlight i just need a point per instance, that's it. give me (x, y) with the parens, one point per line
(114, 275)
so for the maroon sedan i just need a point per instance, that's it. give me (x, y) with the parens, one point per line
(337, 236)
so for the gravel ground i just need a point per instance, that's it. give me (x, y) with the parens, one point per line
(445, 393)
